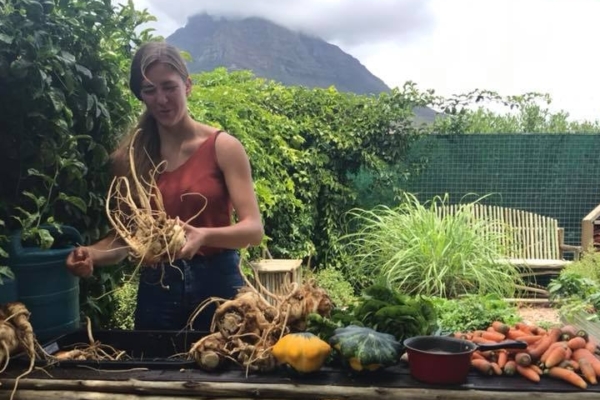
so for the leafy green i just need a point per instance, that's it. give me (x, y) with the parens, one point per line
(473, 312)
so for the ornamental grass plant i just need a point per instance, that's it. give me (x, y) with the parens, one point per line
(414, 249)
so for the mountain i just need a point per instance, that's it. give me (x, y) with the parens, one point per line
(273, 52)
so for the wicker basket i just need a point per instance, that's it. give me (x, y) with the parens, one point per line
(276, 275)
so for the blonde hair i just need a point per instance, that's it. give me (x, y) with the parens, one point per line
(147, 141)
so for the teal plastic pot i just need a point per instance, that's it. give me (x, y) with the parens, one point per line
(45, 286)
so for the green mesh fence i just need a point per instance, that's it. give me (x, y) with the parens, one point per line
(553, 175)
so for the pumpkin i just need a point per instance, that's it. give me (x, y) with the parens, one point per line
(303, 351)
(365, 349)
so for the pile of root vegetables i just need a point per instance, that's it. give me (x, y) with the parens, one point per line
(245, 328)
(563, 352)
(16, 335)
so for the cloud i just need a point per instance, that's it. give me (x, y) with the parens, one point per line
(345, 22)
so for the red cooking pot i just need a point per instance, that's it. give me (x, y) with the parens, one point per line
(444, 359)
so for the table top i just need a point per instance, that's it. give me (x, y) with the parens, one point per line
(393, 382)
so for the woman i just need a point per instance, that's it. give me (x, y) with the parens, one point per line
(197, 159)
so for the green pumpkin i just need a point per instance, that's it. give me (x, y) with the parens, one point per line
(365, 349)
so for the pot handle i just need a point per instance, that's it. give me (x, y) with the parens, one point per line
(507, 344)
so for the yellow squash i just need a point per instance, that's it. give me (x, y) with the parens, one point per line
(303, 351)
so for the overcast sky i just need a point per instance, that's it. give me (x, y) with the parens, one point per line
(451, 46)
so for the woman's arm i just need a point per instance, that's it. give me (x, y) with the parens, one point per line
(108, 251)
(248, 230)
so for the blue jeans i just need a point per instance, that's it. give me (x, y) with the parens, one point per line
(160, 308)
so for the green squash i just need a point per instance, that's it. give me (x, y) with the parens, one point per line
(365, 349)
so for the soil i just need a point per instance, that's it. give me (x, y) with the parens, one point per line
(536, 314)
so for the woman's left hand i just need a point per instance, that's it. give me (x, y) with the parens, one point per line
(194, 239)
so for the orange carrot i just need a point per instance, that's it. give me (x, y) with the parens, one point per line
(585, 353)
(496, 368)
(493, 336)
(556, 356)
(569, 364)
(536, 350)
(592, 344)
(536, 369)
(524, 327)
(500, 326)
(523, 359)
(482, 340)
(515, 334)
(477, 355)
(528, 373)
(588, 371)
(483, 366)
(550, 349)
(502, 358)
(576, 343)
(529, 339)
(568, 376)
(510, 367)
(568, 332)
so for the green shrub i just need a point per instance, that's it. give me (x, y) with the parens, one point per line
(414, 249)
(337, 286)
(126, 299)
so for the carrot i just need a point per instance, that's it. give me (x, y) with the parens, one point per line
(569, 364)
(568, 376)
(580, 354)
(515, 334)
(483, 366)
(524, 327)
(477, 355)
(576, 343)
(493, 336)
(568, 332)
(550, 349)
(530, 339)
(510, 367)
(523, 359)
(482, 340)
(556, 356)
(502, 358)
(536, 369)
(588, 371)
(496, 368)
(542, 345)
(592, 344)
(528, 373)
(500, 327)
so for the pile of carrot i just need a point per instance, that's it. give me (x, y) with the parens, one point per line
(564, 352)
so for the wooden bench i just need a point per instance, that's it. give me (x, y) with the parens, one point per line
(533, 242)
(589, 229)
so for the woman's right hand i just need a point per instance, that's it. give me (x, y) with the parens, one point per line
(79, 262)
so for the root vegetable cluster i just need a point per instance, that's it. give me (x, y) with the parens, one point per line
(245, 329)
(136, 211)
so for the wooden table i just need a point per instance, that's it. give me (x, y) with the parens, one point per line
(393, 383)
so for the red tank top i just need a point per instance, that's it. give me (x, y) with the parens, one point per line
(198, 174)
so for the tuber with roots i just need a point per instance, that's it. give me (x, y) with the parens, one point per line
(136, 211)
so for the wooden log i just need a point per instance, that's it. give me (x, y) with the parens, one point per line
(235, 390)
(62, 395)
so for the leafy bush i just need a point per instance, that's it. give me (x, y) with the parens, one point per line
(337, 286)
(575, 293)
(473, 312)
(126, 301)
(413, 248)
